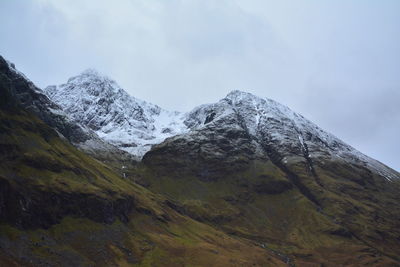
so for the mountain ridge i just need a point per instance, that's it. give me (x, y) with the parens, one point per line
(136, 125)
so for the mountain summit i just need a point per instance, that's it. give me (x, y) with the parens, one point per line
(102, 105)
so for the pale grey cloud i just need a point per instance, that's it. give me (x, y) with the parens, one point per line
(336, 62)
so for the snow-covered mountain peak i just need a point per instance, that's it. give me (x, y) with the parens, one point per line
(239, 99)
(89, 73)
(125, 121)
(135, 126)
(248, 106)
(238, 94)
(94, 83)
(276, 126)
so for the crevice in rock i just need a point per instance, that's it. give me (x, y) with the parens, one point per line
(309, 161)
(276, 159)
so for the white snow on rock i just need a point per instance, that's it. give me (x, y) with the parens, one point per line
(134, 125)
(101, 104)
(285, 129)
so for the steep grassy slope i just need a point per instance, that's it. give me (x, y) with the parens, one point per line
(337, 214)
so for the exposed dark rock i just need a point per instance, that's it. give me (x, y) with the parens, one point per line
(272, 186)
(210, 118)
(30, 208)
(29, 97)
(343, 232)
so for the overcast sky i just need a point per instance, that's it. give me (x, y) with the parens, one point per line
(336, 62)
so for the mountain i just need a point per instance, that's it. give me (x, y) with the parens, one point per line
(61, 207)
(244, 181)
(102, 105)
(134, 125)
(256, 169)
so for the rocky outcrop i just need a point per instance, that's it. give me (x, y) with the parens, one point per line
(27, 207)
